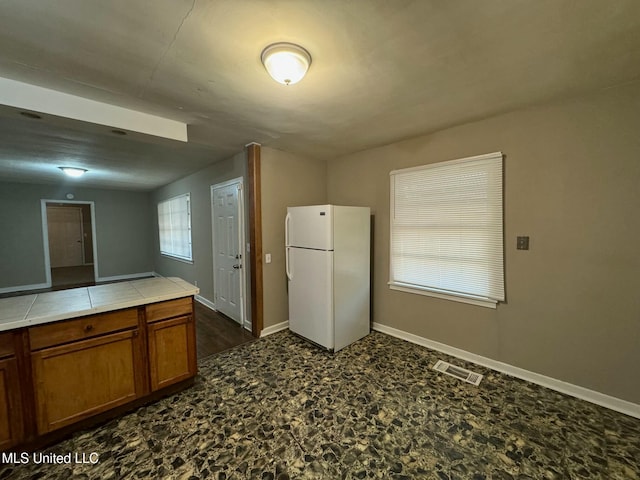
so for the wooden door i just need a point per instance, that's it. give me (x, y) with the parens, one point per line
(81, 379)
(65, 236)
(172, 351)
(228, 281)
(11, 427)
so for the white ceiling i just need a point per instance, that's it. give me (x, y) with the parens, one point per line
(382, 70)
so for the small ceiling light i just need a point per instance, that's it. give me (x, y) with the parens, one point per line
(287, 63)
(73, 171)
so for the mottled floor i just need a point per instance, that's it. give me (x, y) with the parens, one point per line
(279, 408)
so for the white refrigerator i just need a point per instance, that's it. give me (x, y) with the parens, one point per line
(328, 271)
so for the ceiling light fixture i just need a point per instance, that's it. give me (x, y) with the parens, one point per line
(73, 171)
(287, 63)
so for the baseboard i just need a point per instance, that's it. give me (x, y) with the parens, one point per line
(130, 276)
(607, 401)
(25, 288)
(274, 329)
(207, 303)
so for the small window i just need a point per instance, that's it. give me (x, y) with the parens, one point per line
(174, 225)
(447, 230)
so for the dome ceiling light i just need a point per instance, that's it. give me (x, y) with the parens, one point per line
(73, 171)
(287, 63)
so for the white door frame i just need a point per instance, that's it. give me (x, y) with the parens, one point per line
(45, 236)
(241, 243)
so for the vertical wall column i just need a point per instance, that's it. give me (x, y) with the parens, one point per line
(255, 237)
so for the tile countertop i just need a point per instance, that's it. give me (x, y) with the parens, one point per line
(36, 309)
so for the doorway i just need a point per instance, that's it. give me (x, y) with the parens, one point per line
(69, 243)
(227, 203)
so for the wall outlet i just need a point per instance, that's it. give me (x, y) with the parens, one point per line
(195, 282)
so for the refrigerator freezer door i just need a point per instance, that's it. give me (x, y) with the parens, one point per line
(310, 295)
(310, 227)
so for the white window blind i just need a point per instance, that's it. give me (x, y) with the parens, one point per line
(447, 229)
(174, 225)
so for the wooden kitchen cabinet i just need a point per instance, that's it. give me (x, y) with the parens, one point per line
(11, 426)
(172, 342)
(85, 368)
(59, 375)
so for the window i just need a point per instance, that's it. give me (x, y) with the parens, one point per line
(447, 230)
(174, 225)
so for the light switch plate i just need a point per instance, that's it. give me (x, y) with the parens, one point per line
(267, 258)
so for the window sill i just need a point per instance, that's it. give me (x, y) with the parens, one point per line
(183, 260)
(480, 302)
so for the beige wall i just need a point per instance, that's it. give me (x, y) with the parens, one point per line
(572, 183)
(287, 180)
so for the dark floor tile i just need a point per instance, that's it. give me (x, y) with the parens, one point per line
(280, 408)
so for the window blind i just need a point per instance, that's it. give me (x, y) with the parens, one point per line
(174, 225)
(447, 228)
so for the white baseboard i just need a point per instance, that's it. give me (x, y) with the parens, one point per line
(21, 288)
(206, 303)
(274, 328)
(613, 403)
(129, 276)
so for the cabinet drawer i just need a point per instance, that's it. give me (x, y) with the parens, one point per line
(85, 327)
(6, 345)
(169, 309)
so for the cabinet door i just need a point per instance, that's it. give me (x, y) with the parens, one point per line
(81, 379)
(10, 404)
(172, 352)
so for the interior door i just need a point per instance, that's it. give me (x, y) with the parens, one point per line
(65, 236)
(228, 279)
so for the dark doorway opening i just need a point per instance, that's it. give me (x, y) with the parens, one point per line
(70, 243)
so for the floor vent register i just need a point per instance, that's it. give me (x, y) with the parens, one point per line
(458, 372)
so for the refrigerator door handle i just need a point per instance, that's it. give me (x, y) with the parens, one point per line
(286, 260)
(287, 219)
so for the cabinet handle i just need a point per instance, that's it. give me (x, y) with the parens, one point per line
(88, 328)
